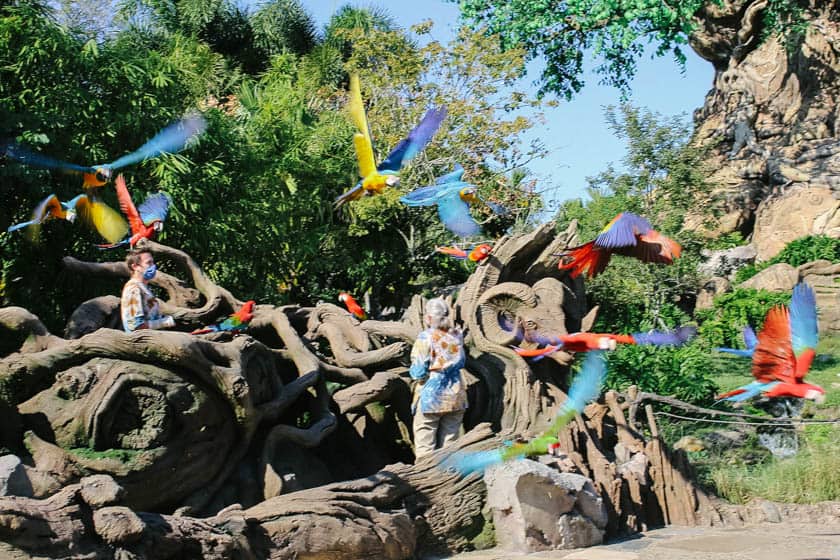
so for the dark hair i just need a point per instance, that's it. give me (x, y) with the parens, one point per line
(133, 258)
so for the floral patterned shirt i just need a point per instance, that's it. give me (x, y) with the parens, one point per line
(138, 305)
(437, 357)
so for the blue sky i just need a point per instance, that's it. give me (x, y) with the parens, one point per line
(580, 142)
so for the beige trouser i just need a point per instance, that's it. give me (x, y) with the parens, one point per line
(435, 430)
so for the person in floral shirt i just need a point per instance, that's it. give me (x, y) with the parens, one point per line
(139, 307)
(441, 397)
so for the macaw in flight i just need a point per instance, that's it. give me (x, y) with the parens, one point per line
(784, 353)
(585, 388)
(352, 306)
(374, 179)
(92, 211)
(750, 343)
(236, 322)
(171, 139)
(476, 254)
(145, 221)
(627, 234)
(453, 197)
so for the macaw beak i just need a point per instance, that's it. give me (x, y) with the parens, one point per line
(815, 396)
(158, 226)
(606, 343)
(103, 174)
(70, 216)
(392, 180)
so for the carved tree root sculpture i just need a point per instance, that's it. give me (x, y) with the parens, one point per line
(233, 424)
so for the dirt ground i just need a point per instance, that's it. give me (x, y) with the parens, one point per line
(770, 541)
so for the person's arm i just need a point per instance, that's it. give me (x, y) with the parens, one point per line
(420, 356)
(133, 315)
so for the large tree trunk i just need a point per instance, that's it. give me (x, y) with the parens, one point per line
(771, 124)
(262, 431)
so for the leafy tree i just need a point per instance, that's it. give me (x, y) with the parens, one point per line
(614, 31)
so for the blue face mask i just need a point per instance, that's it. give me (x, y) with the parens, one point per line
(150, 272)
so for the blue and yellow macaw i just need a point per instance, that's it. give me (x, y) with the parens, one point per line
(585, 388)
(93, 212)
(453, 197)
(374, 179)
(171, 139)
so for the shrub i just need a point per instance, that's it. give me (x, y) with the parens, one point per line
(721, 325)
(797, 253)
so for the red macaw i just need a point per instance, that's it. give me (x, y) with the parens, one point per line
(786, 348)
(477, 254)
(627, 234)
(237, 322)
(146, 221)
(585, 342)
(352, 306)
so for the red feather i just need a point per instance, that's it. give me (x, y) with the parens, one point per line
(774, 359)
(127, 206)
(585, 258)
(352, 305)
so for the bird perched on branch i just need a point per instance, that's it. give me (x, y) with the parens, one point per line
(785, 350)
(91, 211)
(375, 179)
(352, 306)
(171, 139)
(585, 388)
(627, 234)
(237, 322)
(145, 221)
(453, 197)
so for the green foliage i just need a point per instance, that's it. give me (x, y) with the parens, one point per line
(614, 31)
(684, 372)
(797, 253)
(721, 325)
(121, 455)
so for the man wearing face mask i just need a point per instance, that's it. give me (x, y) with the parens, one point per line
(139, 307)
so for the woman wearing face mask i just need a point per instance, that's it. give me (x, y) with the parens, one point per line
(139, 307)
(436, 361)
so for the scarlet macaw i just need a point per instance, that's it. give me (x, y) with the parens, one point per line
(585, 388)
(92, 211)
(750, 342)
(146, 221)
(476, 254)
(171, 139)
(352, 306)
(627, 234)
(237, 322)
(375, 179)
(786, 348)
(453, 198)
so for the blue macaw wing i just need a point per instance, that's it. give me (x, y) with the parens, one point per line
(736, 351)
(666, 338)
(622, 230)
(171, 139)
(587, 384)
(455, 215)
(426, 196)
(452, 176)
(417, 139)
(155, 208)
(750, 340)
(803, 318)
(22, 154)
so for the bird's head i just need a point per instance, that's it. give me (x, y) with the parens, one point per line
(158, 226)
(103, 174)
(392, 180)
(70, 216)
(815, 393)
(469, 195)
(342, 297)
(606, 343)
(481, 252)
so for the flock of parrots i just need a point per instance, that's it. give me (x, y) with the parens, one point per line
(781, 353)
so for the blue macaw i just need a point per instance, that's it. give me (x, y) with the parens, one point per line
(453, 198)
(750, 342)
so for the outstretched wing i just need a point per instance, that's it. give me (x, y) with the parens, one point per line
(676, 337)
(20, 153)
(127, 205)
(803, 319)
(773, 359)
(171, 139)
(750, 340)
(432, 194)
(622, 230)
(454, 252)
(102, 217)
(414, 142)
(155, 208)
(451, 177)
(48, 206)
(455, 215)
(361, 139)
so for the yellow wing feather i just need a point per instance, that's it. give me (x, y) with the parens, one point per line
(361, 140)
(105, 219)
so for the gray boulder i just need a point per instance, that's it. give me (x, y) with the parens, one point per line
(537, 508)
(725, 262)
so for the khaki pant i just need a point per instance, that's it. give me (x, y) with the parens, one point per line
(435, 430)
